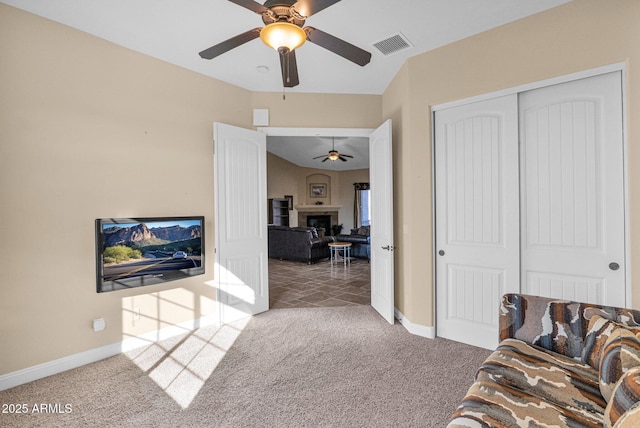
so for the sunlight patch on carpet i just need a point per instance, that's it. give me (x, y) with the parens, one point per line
(181, 366)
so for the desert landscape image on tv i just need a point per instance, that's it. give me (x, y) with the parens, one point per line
(150, 248)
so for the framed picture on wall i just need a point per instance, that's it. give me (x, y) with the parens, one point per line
(318, 190)
(289, 198)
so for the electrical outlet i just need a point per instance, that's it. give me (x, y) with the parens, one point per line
(98, 324)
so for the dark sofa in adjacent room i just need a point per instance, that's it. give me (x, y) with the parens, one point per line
(360, 242)
(297, 243)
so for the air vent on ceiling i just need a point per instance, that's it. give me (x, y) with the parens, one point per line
(396, 43)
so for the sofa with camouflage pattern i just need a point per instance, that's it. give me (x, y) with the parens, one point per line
(559, 364)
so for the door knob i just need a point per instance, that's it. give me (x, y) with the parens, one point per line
(441, 252)
(388, 247)
(614, 266)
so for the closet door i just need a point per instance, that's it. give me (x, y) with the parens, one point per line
(572, 176)
(477, 219)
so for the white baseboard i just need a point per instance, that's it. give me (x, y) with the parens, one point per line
(91, 356)
(417, 329)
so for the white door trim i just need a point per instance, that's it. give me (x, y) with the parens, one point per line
(316, 132)
(322, 132)
(620, 66)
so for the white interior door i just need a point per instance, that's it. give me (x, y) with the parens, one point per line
(573, 185)
(241, 270)
(382, 259)
(477, 228)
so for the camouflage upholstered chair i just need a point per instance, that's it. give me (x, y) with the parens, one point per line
(559, 363)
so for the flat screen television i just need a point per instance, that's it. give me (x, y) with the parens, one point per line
(134, 252)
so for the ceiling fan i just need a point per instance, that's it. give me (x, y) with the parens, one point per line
(283, 31)
(334, 154)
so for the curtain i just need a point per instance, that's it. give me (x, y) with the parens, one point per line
(357, 203)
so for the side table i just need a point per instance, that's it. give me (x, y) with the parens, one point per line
(334, 249)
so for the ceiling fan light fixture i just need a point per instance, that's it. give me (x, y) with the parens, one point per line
(283, 34)
(333, 155)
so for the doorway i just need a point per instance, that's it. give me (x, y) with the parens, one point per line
(297, 165)
(529, 198)
(241, 273)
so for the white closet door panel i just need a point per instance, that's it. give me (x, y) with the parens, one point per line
(573, 190)
(477, 229)
(570, 287)
(562, 182)
(473, 175)
(482, 284)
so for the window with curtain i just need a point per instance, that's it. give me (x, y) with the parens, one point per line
(362, 205)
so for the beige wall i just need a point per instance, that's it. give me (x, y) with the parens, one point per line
(346, 194)
(286, 178)
(90, 130)
(581, 35)
(283, 178)
(320, 110)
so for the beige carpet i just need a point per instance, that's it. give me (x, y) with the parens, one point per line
(324, 367)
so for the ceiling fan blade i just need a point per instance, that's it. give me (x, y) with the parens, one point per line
(325, 159)
(346, 156)
(231, 43)
(338, 46)
(289, 68)
(251, 5)
(318, 157)
(341, 158)
(309, 7)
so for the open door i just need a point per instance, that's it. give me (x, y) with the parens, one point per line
(382, 260)
(241, 229)
(241, 265)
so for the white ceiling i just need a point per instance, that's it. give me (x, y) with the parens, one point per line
(302, 150)
(176, 30)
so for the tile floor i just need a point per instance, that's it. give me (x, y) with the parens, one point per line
(295, 284)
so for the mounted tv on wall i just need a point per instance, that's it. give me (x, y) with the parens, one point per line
(134, 252)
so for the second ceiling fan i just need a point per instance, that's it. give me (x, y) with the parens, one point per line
(284, 31)
(334, 155)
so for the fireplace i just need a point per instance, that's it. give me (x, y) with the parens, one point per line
(319, 221)
(310, 216)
